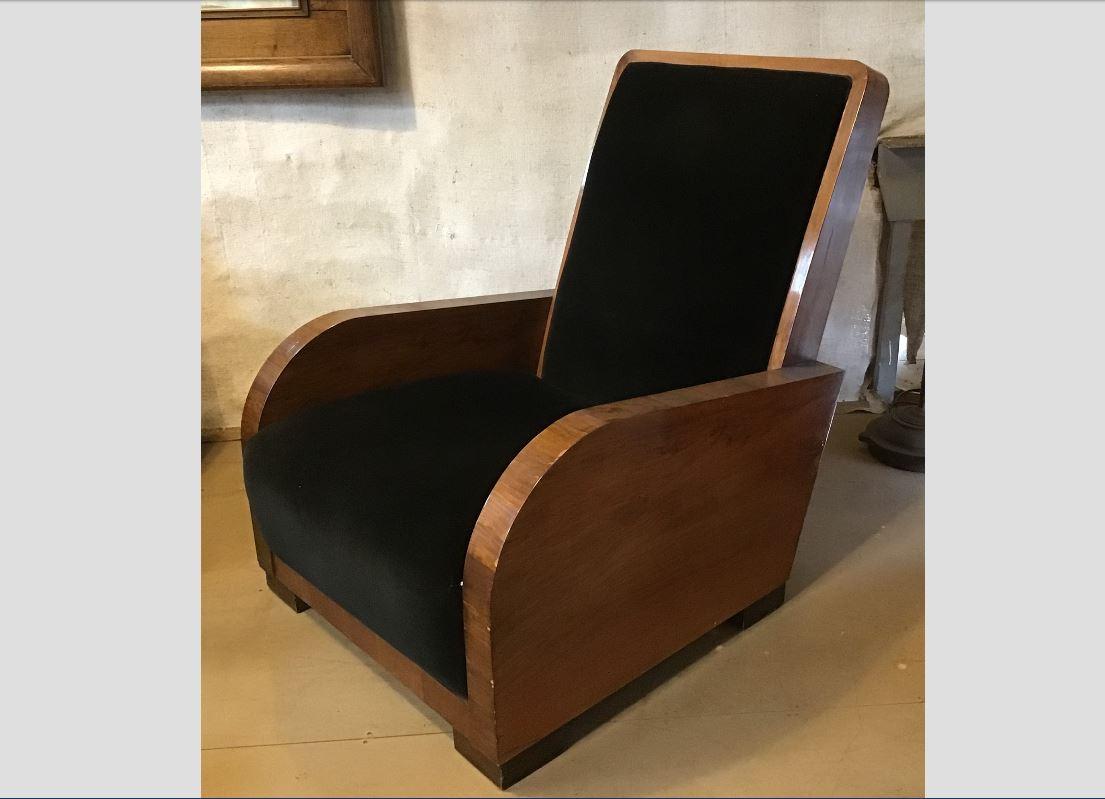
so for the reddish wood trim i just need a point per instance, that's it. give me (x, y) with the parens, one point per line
(344, 353)
(821, 256)
(698, 495)
(807, 309)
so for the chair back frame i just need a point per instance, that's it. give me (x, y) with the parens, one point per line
(821, 256)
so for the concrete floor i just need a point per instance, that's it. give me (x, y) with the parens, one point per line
(824, 697)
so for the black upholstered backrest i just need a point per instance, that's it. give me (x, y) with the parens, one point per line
(696, 201)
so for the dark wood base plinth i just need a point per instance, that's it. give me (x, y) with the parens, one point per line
(760, 608)
(556, 743)
(286, 595)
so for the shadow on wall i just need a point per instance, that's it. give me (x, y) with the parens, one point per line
(390, 107)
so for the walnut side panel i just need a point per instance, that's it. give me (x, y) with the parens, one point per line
(624, 532)
(347, 352)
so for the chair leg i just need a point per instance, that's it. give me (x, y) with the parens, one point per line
(286, 595)
(762, 607)
(265, 561)
(489, 768)
(504, 775)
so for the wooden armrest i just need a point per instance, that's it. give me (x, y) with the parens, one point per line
(346, 352)
(625, 531)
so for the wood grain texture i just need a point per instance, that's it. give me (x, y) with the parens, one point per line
(625, 531)
(346, 352)
(338, 44)
(811, 293)
(302, 9)
(324, 33)
(364, 40)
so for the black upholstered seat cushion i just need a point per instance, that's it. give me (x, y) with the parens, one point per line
(697, 197)
(373, 498)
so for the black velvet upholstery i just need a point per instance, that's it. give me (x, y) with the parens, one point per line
(373, 499)
(696, 200)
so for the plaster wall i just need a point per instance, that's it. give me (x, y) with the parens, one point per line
(459, 178)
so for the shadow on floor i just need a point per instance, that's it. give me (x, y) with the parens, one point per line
(854, 497)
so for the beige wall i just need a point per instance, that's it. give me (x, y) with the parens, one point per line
(459, 178)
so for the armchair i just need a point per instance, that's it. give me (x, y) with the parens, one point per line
(519, 504)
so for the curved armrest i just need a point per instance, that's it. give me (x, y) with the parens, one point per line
(625, 531)
(346, 352)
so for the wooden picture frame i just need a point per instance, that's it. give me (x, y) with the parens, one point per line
(325, 44)
(301, 8)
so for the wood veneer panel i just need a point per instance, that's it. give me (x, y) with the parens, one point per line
(624, 532)
(346, 352)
